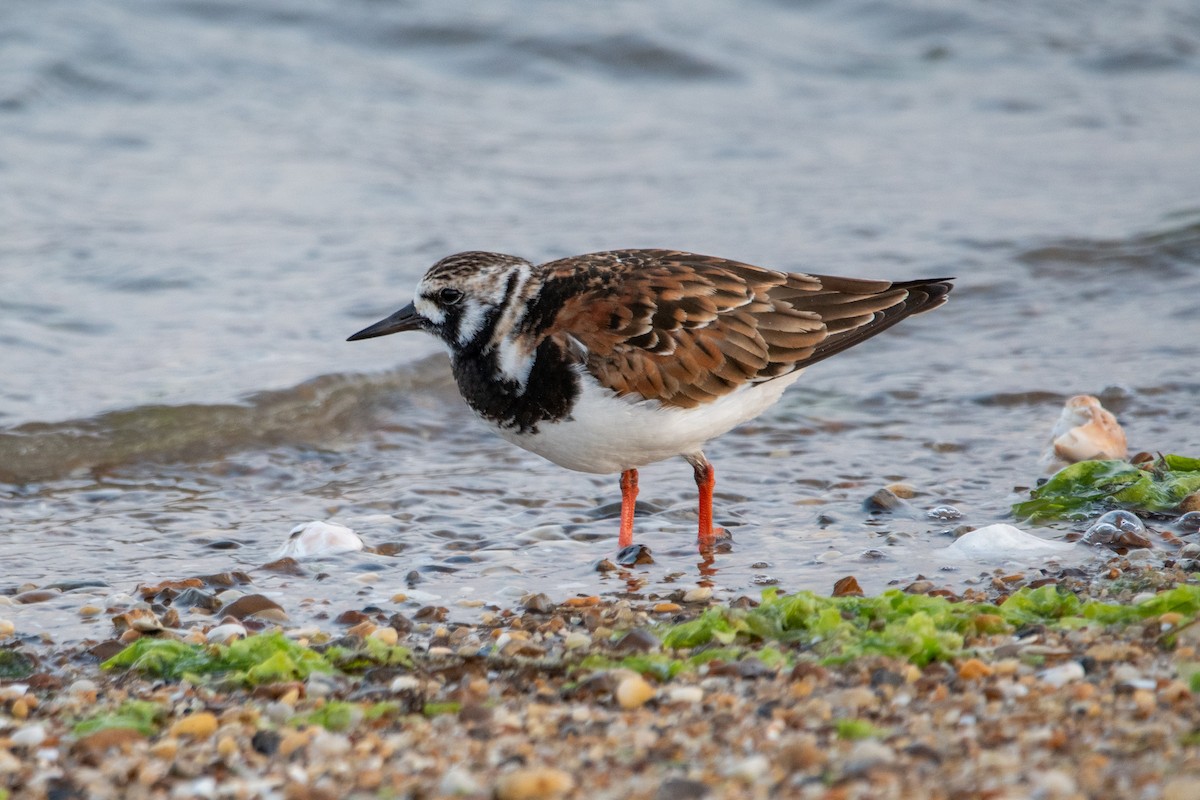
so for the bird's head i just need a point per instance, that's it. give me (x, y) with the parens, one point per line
(461, 297)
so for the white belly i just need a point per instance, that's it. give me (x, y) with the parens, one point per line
(606, 433)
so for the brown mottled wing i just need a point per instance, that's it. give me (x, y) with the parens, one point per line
(684, 329)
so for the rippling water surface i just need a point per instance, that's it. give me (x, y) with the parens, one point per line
(200, 200)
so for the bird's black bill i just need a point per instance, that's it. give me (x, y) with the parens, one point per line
(406, 319)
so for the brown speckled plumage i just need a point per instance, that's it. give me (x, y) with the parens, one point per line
(684, 329)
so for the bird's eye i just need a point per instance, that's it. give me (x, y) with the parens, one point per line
(449, 296)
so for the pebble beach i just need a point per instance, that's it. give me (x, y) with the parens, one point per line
(586, 697)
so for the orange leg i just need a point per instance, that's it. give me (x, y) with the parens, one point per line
(629, 493)
(706, 479)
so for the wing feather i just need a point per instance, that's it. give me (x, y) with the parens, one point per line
(683, 329)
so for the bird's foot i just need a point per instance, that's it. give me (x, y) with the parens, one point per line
(718, 540)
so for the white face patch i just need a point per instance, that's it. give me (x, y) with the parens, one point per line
(429, 310)
(471, 321)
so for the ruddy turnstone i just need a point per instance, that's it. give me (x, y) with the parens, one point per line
(610, 361)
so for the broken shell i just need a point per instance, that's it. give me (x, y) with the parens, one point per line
(1084, 431)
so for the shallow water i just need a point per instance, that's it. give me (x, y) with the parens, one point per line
(200, 200)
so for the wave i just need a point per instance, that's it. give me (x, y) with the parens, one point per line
(1172, 250)
(318, 411)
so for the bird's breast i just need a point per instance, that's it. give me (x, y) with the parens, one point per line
(544, 389)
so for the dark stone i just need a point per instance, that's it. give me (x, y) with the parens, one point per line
(538, 603)
(266, 742)
(351, 617)
(634, 555)
(431, 614)
(682, 789)
(224, 544)
(249, 605)
(105, 650)
(226, 579)
(285, 566)
(196, 598)
(882, 500)
(638, 640)
(886, 677)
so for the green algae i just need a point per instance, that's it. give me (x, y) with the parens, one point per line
(15, 665)
(916, 628)
(335, 715)
(140, 715)
(1089, 488)
(255, 660)
(856, 729)
(437, 709)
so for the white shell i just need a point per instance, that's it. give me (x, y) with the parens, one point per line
(1084, 431)
(317, 539)
(1001, 542)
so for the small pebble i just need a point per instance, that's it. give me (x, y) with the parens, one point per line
(203, 787)
(319, 685)
(227, 747)
(1054, 784)
(973, 669)
(576, 640)
(28, 736)
(457, 780)
(751, 769)
(868, 753)
(538, 603)
(165, 749)
(700, 594)
(1145, 701)
(1062, 674)
(633, 692)
(404, 683)
(278, 712)
(226, 633)
(200, 725)
(291, 742)
(692, 695)
(329, 746)
(13, 691)
(534, 783)
(388, 636)
(1182, 788)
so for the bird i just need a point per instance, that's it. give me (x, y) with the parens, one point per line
(609, 361)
